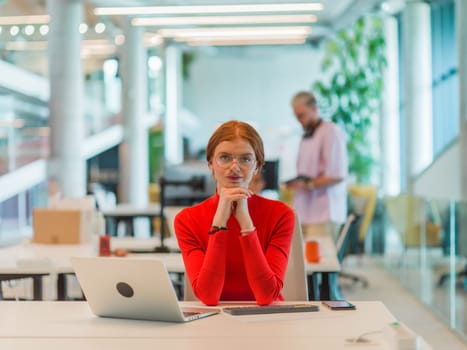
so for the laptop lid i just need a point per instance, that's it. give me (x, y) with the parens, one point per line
(131, 288)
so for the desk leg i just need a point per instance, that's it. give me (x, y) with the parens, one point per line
(61, 286)
(110, 226)
(330, 287)
(128, 224)
(313, 286)
(37, 287)
(325, 287)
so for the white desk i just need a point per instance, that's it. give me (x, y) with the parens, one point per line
(125, 209)
(126, 213)
(328, 261)
(322, 276)
(71, 325)
(38, 260)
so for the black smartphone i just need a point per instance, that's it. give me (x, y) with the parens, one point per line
(339, 305)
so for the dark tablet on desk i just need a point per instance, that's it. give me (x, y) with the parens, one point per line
(270, 309)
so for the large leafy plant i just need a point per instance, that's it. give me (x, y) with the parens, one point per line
(354, 62)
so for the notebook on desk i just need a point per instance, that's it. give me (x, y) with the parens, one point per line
(132, 288)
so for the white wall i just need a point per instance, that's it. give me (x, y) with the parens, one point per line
(253, 84)
(442, 179)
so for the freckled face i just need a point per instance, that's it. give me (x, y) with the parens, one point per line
(239, 171)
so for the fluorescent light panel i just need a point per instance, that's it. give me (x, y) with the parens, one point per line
(240, 37)
(159, 10)
(242, 42)
(234, 31)
(213, 20)
(153, 40)
(18, 20)
(26, 45)
(100, 45)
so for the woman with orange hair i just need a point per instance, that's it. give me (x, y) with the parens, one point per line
(235, 244)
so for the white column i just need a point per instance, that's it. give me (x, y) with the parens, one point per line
(134, 161)
(461, 32)
(390, 128)
(172, 135)
(417, 84)
(67, 164)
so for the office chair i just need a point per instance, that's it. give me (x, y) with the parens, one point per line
(295, 280)
(353, 220)
(170, 213)
(363, 203)
(459, 223)
(408, 214)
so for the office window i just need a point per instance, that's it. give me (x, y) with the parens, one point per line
(445, 76)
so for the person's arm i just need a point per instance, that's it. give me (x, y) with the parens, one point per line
(205, 265)
(266, 270)
(319, 181)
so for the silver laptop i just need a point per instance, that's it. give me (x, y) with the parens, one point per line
(132, 288)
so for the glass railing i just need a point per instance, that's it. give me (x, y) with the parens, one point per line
(426, 250)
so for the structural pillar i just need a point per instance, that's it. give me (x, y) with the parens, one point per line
(390, 126)
(172, 135)
(134, 157)
(417, 89)
(66, 163)
(461, 32)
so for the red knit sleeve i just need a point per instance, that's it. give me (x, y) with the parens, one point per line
(266, 270)
(205, 264)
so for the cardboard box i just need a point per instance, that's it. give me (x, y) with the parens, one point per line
(62, 226)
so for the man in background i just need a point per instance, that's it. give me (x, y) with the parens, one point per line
(320, 189)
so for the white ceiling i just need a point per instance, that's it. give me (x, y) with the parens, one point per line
(336, 14)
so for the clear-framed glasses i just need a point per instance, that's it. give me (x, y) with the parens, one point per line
(225, 160)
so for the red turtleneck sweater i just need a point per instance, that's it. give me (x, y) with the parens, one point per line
(227, 266)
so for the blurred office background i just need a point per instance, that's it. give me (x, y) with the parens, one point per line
(93, 98)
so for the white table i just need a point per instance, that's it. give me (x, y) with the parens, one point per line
(71, 325)
(38, 260)
(126, 213)
(326, 269)
(328, 261)
(125, 209)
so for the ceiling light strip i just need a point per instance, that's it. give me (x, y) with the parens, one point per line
(159, 10)
(212, 20)
(17, 20)
(245, 38)
(42, 45)
(26, 45)
(243, 42)
(196, 32)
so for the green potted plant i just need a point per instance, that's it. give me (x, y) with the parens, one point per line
(354, 62)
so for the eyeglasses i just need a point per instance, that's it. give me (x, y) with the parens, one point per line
(224, 160)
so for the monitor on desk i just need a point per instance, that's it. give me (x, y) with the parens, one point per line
(186, 195)
(271, 174)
